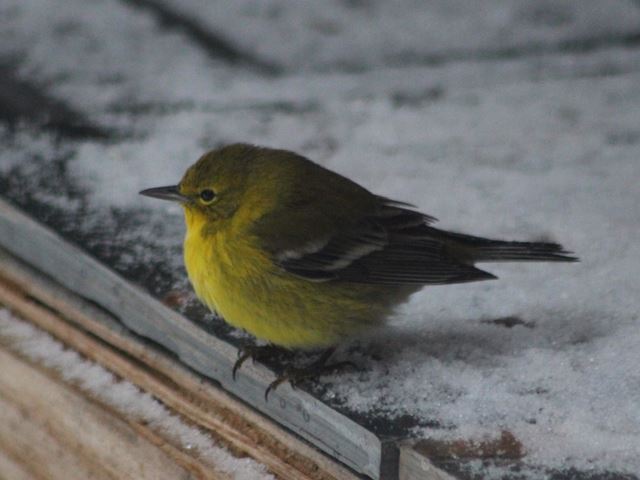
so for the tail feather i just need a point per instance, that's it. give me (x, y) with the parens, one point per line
(479, 249)
(501, 251)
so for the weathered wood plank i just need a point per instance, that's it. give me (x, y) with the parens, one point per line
(61, 434)
(432, 459)
(233, 424)
(415, 466)
(33, 448)
(10, 469)
(329, 430)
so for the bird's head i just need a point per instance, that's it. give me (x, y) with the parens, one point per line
(220, 184)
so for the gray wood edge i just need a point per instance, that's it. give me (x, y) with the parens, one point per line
(305, 415)
(416, 466)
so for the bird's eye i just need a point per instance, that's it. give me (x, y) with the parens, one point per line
(207, 195)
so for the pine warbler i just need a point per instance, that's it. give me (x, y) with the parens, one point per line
(304, 258)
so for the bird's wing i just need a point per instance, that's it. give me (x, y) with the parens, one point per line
(387, 245)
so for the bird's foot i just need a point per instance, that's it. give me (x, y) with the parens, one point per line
(295, 375)
(255, 352)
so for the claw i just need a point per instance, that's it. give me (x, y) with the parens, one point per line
(273, 385)
(255, 352)
(243, 356)
(296, 375)
(293, 375)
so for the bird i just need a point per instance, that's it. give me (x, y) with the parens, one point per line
(304, 258)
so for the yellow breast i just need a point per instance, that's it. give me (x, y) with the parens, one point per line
(219, 268)
(234, 277)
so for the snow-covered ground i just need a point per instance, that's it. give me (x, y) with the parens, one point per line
(359, 34)
(540, 145)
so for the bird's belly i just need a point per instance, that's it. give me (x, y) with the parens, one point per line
(250, 293)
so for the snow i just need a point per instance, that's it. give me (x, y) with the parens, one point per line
(539, 146)
(123, 396)
(312, 35)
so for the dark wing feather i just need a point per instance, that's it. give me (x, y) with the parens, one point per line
(385, 248)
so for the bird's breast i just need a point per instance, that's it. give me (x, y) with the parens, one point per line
(232, 275)
(227, 272)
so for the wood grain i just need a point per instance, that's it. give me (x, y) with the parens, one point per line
(59, 433)
(10, 469)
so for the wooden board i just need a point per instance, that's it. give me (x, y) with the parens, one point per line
(52, 431)
(415, 466)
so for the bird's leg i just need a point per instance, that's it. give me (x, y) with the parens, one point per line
(317, 368)
(255, 352)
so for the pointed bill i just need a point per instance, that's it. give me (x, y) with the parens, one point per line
(170, 192)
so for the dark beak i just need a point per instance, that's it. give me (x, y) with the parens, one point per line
(170, 192)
